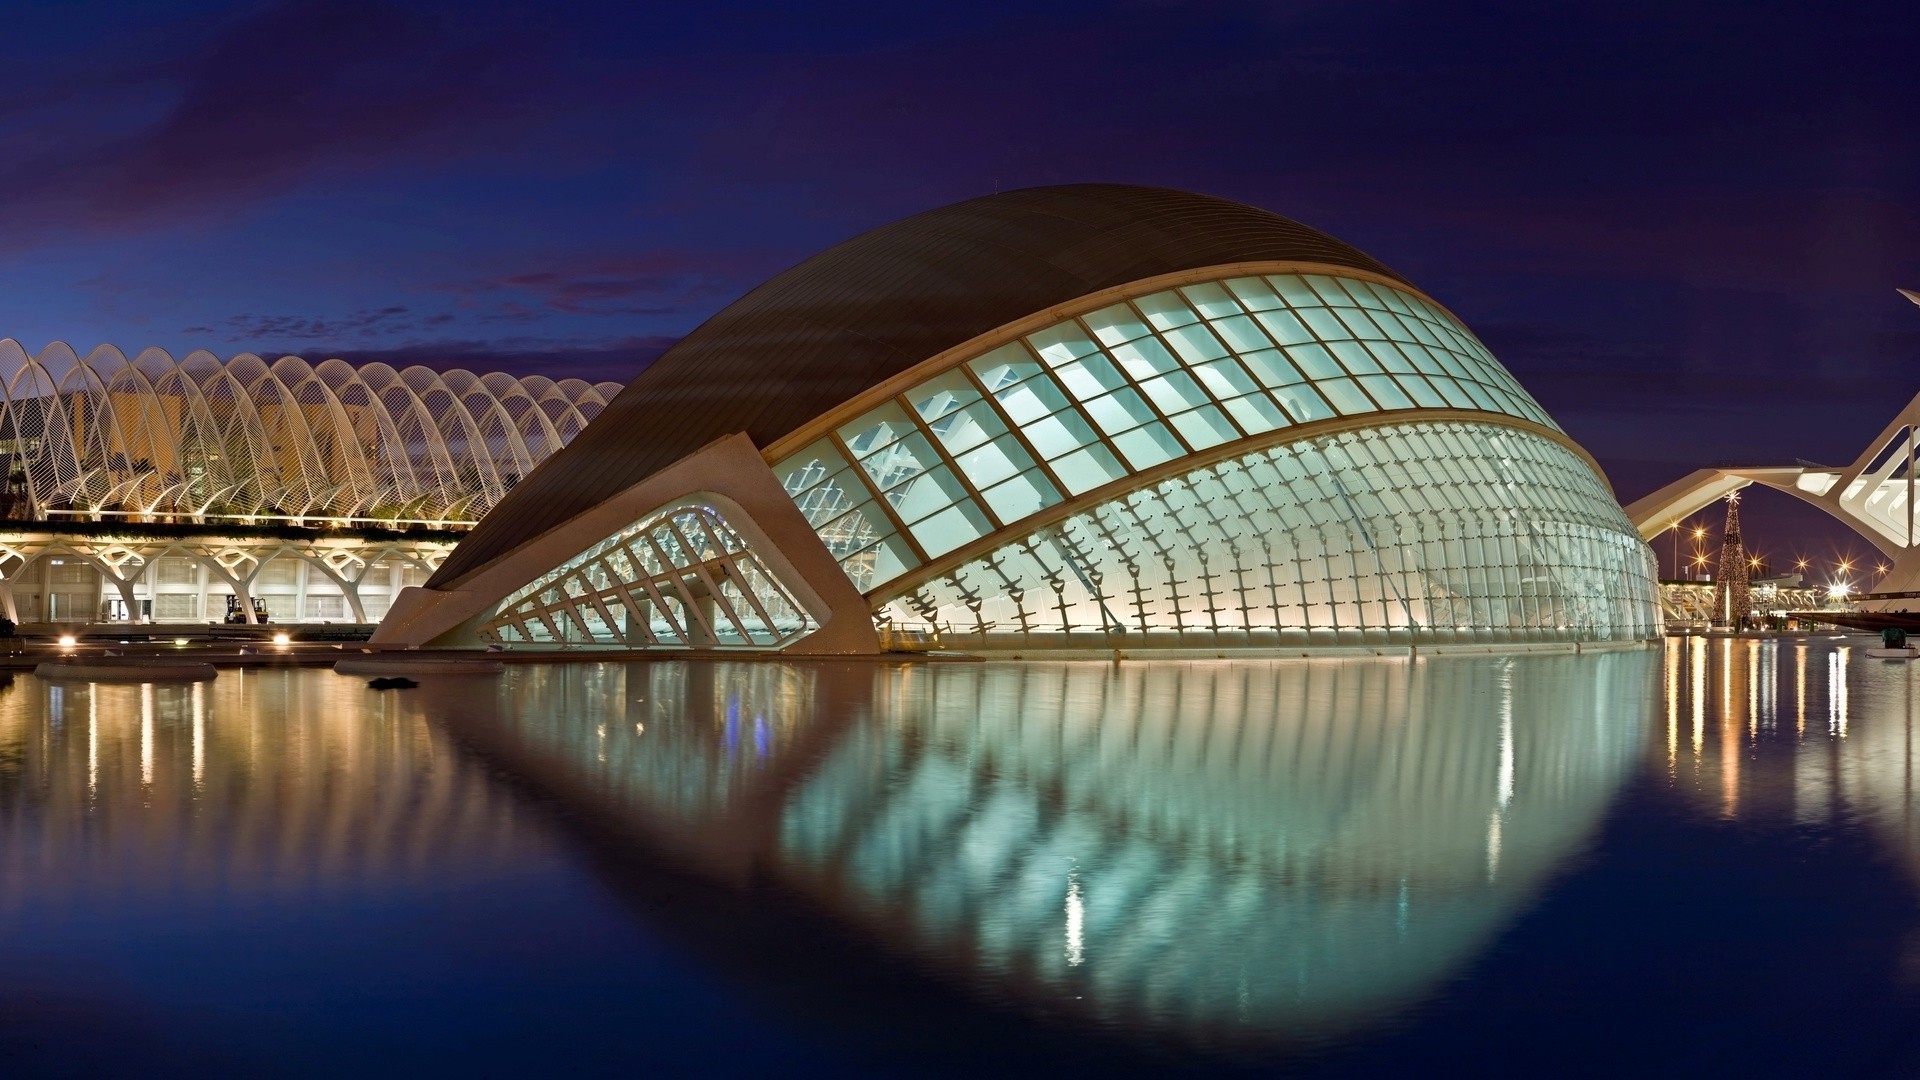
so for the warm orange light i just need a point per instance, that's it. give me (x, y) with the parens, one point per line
(1880, 567)
(1846, 565)
(1698, 533)
(1799, 564)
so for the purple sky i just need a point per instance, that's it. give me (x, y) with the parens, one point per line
(1680, 225)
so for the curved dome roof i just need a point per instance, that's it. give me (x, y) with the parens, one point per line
(859, 313)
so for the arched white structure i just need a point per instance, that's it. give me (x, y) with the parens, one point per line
(1094, 417)
(1874, 495)
(205, 440)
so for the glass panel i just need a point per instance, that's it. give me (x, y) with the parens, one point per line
(1115, 325)
(1057, 434)
(1324, 324)
(900, 461)
(1422, 394)
(926, 493)
(880, 564)
(1149, 446)
(1286, 327)
(1242, 335)
(994, 462)
(1272, 369)
(969, 427)
(941, 395)
(1005, 366)
(1211, 299)
(1345, 395)
(1293, 290)
(1329, 290)
(1386, 392)
(1090, 377)
(1255, 414)
(809, 467)
(1084, 470)
(1119, 411)
(1026, 494)
(1145, 359)
(1252, 293)
(1031, 400)
(1059, 344)
(950, 528)
(1315, 360)
(1205, 427)
(1354, 357)
(877, 429)
(1359, 325)
(1225, 379)
(1450, 390)
(1165, 310)
(1389, 356)
(1195, 344)
(1174, 393)
(1361, 292)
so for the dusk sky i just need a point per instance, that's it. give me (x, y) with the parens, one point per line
(1680, 226)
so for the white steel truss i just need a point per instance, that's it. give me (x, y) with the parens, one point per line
(1875, 496)
(678, 578)
(202, 439)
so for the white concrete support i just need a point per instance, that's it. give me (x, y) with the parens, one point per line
(731, 474)
(1874, 495)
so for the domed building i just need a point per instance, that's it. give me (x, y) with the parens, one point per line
(1084, 417)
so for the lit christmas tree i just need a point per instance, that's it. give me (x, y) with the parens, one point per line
(1731, 602)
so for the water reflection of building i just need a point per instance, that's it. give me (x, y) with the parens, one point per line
(1808, 729)
(1220, 850)
(256, 783)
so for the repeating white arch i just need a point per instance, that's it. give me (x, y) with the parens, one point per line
(207, 440)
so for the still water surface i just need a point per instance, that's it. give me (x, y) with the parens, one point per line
(1666, 862)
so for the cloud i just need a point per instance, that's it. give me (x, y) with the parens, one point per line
(615, 360)
(645, 283)
(363, 324)
(274, 100)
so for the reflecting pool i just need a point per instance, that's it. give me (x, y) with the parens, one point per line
(1683, 859)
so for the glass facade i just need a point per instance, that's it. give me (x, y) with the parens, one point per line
(1441, 531)
(679, 578)
(243, 440)
(1097, 399)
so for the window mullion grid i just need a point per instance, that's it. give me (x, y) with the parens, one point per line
(966, 482)
(677, 575)
(1020, 436)
(1192, 370)
(1160, 415)
(879, 498)
(700, 566)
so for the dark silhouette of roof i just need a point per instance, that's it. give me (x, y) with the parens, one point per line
(859, 313)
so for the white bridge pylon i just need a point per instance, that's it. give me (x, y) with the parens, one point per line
(1874, 495)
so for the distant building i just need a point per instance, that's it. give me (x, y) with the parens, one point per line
(151, 490)
(1093, 417)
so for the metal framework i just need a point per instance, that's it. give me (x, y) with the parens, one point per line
(1874, 495)
(682, 577)
(77, 578)
(242, 440)
(1232, 452)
